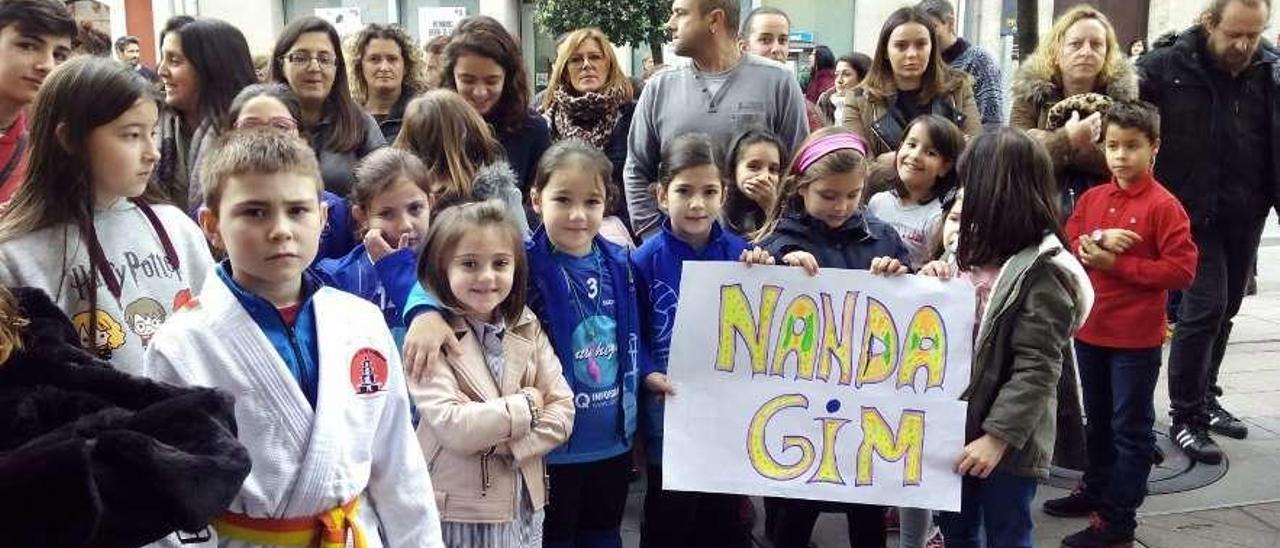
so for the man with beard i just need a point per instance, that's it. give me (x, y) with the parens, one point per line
(718, 91)
(1216, 87)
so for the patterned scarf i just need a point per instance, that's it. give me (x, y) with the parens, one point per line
(590, 116)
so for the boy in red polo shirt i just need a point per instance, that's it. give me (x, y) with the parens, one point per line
(1134, 239)
(35, 36)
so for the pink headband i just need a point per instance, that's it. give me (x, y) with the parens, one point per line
(826, 145)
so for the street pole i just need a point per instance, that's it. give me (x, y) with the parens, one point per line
(1028, 25)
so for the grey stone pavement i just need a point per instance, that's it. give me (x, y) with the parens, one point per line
(1242, 509)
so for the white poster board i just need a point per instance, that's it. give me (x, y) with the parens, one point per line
(434, 21)
(346, 19)
(843, 386)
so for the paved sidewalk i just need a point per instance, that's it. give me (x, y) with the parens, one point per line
(1240, 510)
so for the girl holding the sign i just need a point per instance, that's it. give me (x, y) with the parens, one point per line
(1039, 297)
(691, 192)
(818, 222)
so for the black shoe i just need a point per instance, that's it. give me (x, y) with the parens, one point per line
(1077, 504)
(1196, 443)
(1223, 422)
(1099, 535)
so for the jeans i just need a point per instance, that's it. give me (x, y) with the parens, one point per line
(1227, 254)
(1119, 389)
(998, 508)
(914, 526)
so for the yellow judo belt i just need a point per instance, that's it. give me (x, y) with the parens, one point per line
(326, 530)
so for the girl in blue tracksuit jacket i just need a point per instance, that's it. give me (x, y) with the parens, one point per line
(390, 203)
(583, 289)
(691, 192)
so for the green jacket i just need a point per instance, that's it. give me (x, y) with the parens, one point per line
(1038, 301)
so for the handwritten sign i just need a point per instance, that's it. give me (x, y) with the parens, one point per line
(843, 386)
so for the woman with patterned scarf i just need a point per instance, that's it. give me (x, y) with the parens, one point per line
(589, 98)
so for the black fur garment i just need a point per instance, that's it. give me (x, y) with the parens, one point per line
(92, 457)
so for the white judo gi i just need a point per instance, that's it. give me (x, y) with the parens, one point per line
(358, 442)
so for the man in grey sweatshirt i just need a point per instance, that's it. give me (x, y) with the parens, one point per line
(720, 91)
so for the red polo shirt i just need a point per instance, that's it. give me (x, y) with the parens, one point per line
(1129, 308)
(8, 146)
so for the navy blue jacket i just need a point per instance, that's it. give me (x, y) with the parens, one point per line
(851, 246)
(524, 147)
(296, 344)
(659, 264)
(386, 283)
(547, 297)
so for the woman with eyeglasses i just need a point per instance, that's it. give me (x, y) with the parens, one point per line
(273, 106)
(483, 64)
(589, 98)
(203, 64)
(308, 58)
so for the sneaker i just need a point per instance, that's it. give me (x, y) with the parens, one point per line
(1224, 423)
(1099, 535)
(1076, 505)
(936, 541)
(1196, 443)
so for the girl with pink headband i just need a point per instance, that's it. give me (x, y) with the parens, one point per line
(818, 222)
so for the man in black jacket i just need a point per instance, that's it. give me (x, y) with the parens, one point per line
(1217, 87)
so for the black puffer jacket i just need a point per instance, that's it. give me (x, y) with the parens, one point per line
(90, 456)
(1196, 128)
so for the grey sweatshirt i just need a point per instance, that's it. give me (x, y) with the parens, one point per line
(755, 93)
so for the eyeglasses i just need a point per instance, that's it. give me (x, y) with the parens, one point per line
(303, 58)
(283, 123)
(579, 61)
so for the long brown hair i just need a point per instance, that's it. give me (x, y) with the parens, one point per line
(349, 124)
(450, 137)
(83, 94)
(1010, 198)
(485, 36)
(616, 85)
(938, 77)
(837, 162)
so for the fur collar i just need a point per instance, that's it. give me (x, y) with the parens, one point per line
(1033, 85)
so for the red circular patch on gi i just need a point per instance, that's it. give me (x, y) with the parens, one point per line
(368, 372)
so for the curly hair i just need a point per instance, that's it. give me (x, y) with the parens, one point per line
(1045, 58)
(415, 64)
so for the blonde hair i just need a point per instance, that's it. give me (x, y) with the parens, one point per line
(617, 84)
(1045, 59)
(90, 323)
(12, 323)
(450, 138)
(836, 162)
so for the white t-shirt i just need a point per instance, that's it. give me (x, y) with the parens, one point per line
(914, 223)
(150, 288)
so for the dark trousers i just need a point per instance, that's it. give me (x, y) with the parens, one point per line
(997, 508)
(1227, 253)
(678, 519)
(797, 518)
(585, 503)
(1119, 391)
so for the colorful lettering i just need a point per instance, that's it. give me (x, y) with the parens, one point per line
(878, 439)
(737, 319)
(798, 336)
(758, 450)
